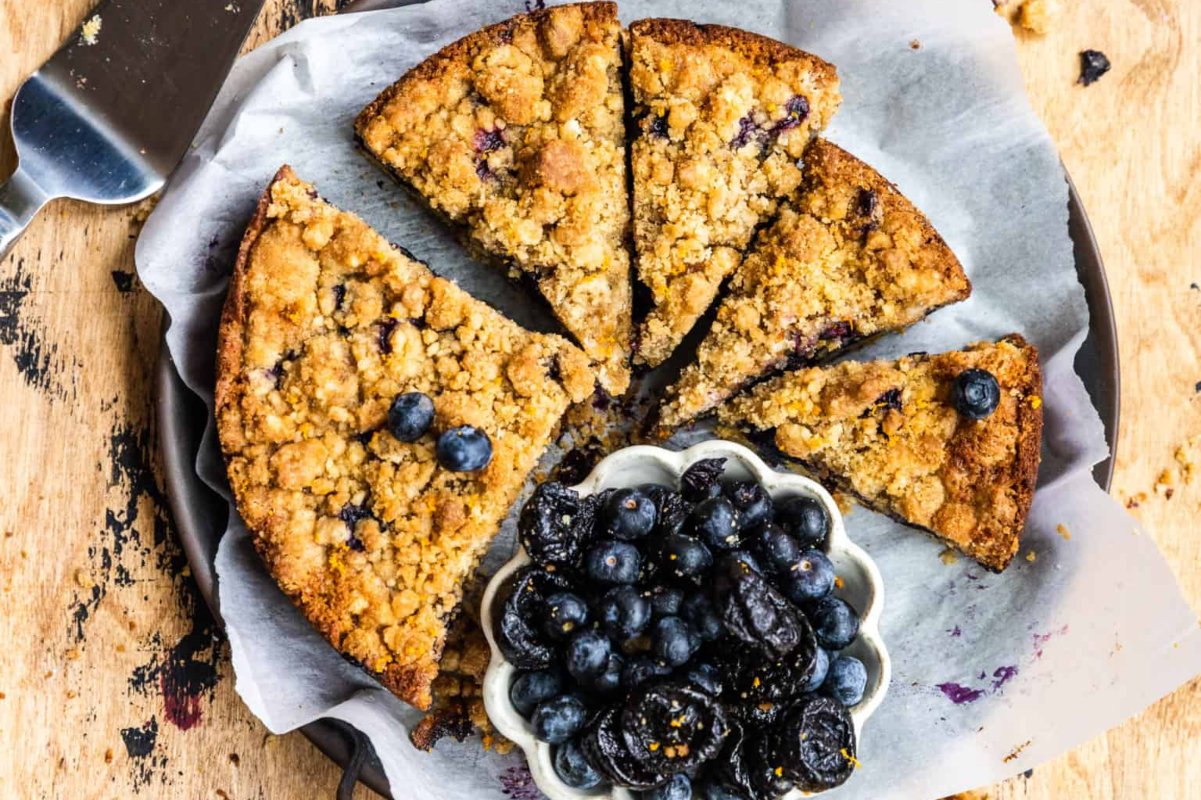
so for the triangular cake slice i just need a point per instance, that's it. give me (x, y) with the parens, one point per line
(891, 434)
(847, 258)
(722, 118)
(324, 325)
(517, 133)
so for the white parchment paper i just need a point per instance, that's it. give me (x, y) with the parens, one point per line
(993, 674)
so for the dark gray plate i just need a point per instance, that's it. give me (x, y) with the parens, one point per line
(200, 514)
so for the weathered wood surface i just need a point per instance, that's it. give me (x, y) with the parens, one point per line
(113, 681)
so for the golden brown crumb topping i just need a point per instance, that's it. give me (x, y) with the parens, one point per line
(847, 258)
(325, 323)
(888, 433)
(723, 118)
(517, 132)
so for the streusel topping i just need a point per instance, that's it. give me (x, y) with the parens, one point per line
(517, 133)
(723, 117)
(847, 258)
(887, 432)
(326, 323)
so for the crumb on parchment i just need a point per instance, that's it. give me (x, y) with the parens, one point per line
(90, 31)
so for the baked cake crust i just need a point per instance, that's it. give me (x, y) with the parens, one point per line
(887, 433)
(723, 117)
(324, 324)
(516, 132)
(848, 257)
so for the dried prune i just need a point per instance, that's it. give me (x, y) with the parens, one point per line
(742, 766)
(759, 615)
(673, 508)
(672, 727)
(814, 745)
(606, 750)
(556, 525)
(761, 686)
(519, 630)
(700, 481)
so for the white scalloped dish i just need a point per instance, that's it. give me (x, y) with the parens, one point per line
(862, 587)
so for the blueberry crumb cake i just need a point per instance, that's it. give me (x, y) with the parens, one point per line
(517, 133)
(948, 443)
(847, 258)
(722, 117)
(377, 422)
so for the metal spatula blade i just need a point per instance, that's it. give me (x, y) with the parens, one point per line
(109, 116)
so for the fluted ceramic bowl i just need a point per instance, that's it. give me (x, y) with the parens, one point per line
(862, 588)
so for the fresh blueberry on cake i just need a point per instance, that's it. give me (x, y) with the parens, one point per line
(516, 133)
(848, 258)
(723, 117)
(925, 439)
(377, 423)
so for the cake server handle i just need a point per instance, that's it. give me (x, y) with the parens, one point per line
(20, 199)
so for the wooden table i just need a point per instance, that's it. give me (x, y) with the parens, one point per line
(113, 681)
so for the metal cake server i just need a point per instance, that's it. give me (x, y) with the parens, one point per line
(111, 114)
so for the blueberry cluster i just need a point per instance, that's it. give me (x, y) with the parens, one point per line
(465, 448)
(683, 641)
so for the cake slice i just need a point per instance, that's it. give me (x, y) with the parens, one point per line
(325, 324)
(722, 119)
(847, 258)
(517, 133)
(948, 443)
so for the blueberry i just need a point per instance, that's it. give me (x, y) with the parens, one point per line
(609, 680)
(976, 393)
(464, 449)
(806, 519)
(410, 416)
(835, 622)
(846, 681)
(559, 719)
(629, 514)
(752, 502)
(587, 655)
(573, 768)
(665, 600)
(811, 578)
(707, 678)
(624, 612)
(821, 667)
(565, 613)
(677, 787)
(778, 551)
(673, 642)
(640, 669)
(699, 612)
(532, 688)
(684, 556)
(610, 562)
(715, 522)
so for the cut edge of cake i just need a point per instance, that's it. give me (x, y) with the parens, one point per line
(604, 330)
(747, 326)
(682, 292)
(994, 551)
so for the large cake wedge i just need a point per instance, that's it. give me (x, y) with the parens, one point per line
(722, 119)
(324, 325)
(891, 434)
(517, 133)
(847, 258)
